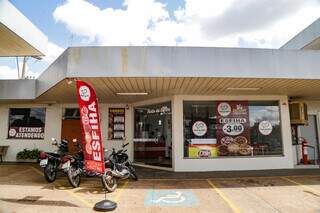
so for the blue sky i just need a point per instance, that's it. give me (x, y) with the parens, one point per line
(223, 23)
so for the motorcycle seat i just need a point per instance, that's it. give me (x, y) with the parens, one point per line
(53, 154)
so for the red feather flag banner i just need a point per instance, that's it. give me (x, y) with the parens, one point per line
(92, 144)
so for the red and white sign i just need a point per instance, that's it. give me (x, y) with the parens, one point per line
(91, 131)
(26, 132)
(233, 128)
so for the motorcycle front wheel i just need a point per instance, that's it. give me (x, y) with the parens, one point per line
(109, 182)
(73, 176)
(50, 172)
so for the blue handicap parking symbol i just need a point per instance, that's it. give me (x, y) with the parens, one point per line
(170, 198)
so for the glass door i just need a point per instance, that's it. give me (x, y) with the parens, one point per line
(153, 135)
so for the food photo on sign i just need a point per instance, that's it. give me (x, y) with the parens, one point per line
(233, 128)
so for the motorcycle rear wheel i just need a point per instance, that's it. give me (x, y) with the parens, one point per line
(73, 178)
(49, 173)
(109, 182)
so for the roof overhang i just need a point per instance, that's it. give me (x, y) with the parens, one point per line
(108, 88)
(18, 36)
(308, 39)
(167, 71)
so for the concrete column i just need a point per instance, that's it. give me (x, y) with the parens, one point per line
(177, 132)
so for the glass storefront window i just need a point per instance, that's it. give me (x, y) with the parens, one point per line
(265, 140)
(152, 135)
(231, 128)
(26, 123)
(196, 112)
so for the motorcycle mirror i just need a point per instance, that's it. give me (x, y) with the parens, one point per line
(74, 140)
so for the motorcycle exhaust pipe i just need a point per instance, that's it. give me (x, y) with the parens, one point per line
(116, 174)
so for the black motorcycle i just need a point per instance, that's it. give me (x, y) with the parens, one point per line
(117, 166)
(51, 162)
(73, 166)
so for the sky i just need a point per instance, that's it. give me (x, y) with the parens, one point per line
(213, 23)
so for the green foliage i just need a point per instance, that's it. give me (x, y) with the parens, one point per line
(28, 154)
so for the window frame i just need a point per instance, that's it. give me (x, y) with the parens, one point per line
(44, 126)
(235, 99)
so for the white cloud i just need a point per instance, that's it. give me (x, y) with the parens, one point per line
(249, 23)
(7, 72)
(52, 52)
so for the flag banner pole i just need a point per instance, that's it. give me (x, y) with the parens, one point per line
(92, 144)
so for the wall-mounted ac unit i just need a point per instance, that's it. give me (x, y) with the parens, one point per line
(298, 113)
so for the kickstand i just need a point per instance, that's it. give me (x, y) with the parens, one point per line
(105, 193)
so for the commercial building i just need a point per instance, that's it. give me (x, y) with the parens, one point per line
(179, 108)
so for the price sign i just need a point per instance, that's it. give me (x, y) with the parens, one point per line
(233, 127)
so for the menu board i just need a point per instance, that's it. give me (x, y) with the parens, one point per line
(233, 128)
(116, 128)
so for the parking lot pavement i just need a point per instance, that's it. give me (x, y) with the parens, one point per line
(24, 189)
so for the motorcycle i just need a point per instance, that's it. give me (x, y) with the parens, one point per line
(117, 166)
(51, 162)
(74, 168)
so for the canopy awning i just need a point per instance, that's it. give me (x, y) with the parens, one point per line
(18, 35)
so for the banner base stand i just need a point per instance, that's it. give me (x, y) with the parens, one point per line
(105, 206)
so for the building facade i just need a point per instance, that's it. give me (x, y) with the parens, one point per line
(179, 108)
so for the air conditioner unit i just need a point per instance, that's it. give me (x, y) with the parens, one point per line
(298, 113)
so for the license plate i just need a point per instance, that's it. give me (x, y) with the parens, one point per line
(66, 165)
(44, 162)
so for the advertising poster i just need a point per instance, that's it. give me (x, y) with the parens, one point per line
(91, 130)
(203, 151)
(200, 146)
(116, 128)
(233, 128)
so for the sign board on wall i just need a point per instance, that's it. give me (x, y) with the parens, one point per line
(116, 122)
(26, 133)
(233, 128)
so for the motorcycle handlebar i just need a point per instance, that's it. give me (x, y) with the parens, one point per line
(124, 145)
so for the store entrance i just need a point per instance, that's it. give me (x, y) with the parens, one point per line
(71, 128)
(153, 135)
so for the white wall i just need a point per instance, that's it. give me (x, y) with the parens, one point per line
(234, 163)
(104, 111)
(53, 121)
(313, 109)
(53, 129)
